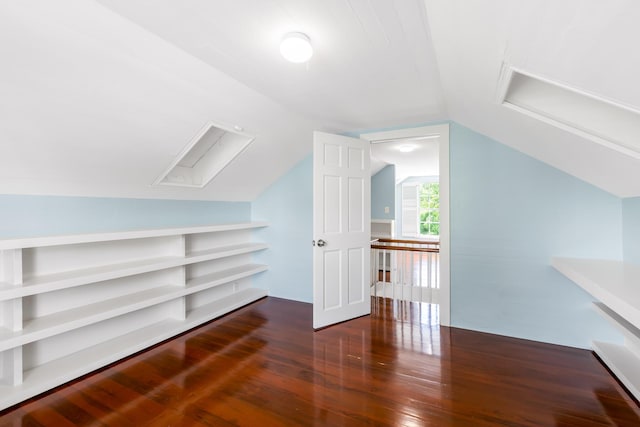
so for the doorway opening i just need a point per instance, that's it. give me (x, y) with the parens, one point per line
(410, 218)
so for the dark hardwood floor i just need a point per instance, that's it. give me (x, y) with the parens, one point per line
(264, 366)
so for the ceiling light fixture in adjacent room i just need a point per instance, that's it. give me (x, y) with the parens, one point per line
(406, 148)
(296, 47)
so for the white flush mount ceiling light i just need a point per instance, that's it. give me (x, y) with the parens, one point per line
(296, 47)
(406, 148)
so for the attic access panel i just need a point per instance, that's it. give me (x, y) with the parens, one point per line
(603, 121)
(206, 155)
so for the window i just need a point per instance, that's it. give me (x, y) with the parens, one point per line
(420, 209)
(410, 211)
(429, 194)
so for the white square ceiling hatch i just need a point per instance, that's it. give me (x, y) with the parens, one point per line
(206, 155)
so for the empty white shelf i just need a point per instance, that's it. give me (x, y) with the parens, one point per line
(630, 332)
(57, 281)
(68, 279)
(57, 323)
(224, 305)
(59, 371)
(70, 239)
(213, 279)
(616, 286)
(133, 283)
(624, 363)
(52, 374)
(614, 283)
(223, 252)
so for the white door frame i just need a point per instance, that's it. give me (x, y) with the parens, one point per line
(445, 273)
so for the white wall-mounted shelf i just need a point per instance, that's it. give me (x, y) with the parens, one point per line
(382, 228)
(70, 239)
(623, 362)
(616, 286)
(72, 304)
(83, 276)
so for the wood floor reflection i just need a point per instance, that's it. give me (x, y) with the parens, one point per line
(264, 366)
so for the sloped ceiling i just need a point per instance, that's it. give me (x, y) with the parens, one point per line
(93, 105)
(373, 62)
(422, 160)
(589, 45)
(98, 97)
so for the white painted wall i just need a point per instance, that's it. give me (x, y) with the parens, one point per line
(92, 104)
(585, 44)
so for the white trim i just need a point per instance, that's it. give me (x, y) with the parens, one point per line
(445, 274)
(212, 172)
(570, 124)
(423, 131)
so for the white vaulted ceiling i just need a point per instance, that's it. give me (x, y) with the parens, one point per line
(588, 45)
(373, 62)
(98, 97)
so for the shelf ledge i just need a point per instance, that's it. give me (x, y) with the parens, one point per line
(68, 239)
(614, 283)
(64, 321)
(57, 281)
(56, 372)
(622, 362)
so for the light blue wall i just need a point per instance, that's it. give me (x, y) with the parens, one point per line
(27, 216)
(631, 229)
(509, 215)
(288, 207)
(383, 188)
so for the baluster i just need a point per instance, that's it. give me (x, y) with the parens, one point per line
(421, 290)
(429, 266)
(436, 266)
(389, 265)
(374, 271)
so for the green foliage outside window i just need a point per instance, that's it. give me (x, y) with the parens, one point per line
(430, 208)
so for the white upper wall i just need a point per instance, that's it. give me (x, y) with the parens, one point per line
(98, 97)
(585, 44)
(93, 105)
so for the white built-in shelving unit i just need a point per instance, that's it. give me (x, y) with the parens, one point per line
(382, 228)
(72, 304)
(616, 287)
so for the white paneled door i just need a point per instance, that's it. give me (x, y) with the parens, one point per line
(341, 228)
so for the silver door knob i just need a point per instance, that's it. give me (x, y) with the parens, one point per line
(322, 243)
